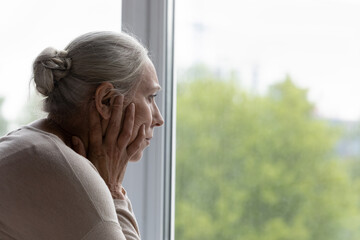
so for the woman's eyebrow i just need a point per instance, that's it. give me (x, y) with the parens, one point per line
(156, 87)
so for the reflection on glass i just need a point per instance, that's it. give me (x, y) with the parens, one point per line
(268, 131)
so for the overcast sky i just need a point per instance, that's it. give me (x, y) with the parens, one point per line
(317, 42)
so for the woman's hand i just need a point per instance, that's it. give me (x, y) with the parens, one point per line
(110, 153)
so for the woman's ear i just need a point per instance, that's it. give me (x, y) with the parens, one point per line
(104, 98)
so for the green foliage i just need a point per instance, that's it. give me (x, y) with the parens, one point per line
(31, 110)
(3, 123)
(258, 167)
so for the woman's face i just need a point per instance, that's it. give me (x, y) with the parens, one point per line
(146, 110)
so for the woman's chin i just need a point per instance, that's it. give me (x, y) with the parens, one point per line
(136, 157)
(139, 154)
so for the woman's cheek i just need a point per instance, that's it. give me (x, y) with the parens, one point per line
(139, 119)
(136, 128)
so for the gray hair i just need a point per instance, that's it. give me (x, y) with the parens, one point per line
(68, 78)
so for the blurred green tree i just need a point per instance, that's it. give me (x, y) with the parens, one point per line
(31, 110)
(3, 122)
(255, 167)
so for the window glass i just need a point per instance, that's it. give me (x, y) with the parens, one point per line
(268, 131)
(28, 27)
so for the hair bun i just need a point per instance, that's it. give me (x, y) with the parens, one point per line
(50, 66)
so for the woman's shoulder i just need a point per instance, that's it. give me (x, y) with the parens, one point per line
(30, 144)
(44, 154)
(41, 178)
(24, 140)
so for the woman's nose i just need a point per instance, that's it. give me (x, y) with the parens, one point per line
(158, 119)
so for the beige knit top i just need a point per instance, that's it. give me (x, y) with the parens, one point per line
(47, 191)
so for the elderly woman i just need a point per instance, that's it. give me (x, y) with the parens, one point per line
(61, 177)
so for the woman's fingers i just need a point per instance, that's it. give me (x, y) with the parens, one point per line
(136, 144)
(78, 146)
(113, 128)
(127, 129)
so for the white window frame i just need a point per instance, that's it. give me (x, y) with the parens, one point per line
(150, 182)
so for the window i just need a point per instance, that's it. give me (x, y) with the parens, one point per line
(268, 143)
(149, 182)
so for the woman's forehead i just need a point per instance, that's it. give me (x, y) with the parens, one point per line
(150, 81)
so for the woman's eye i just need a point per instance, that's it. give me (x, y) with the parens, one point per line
(151, 97)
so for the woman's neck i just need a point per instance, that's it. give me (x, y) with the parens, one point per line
(59, 129)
